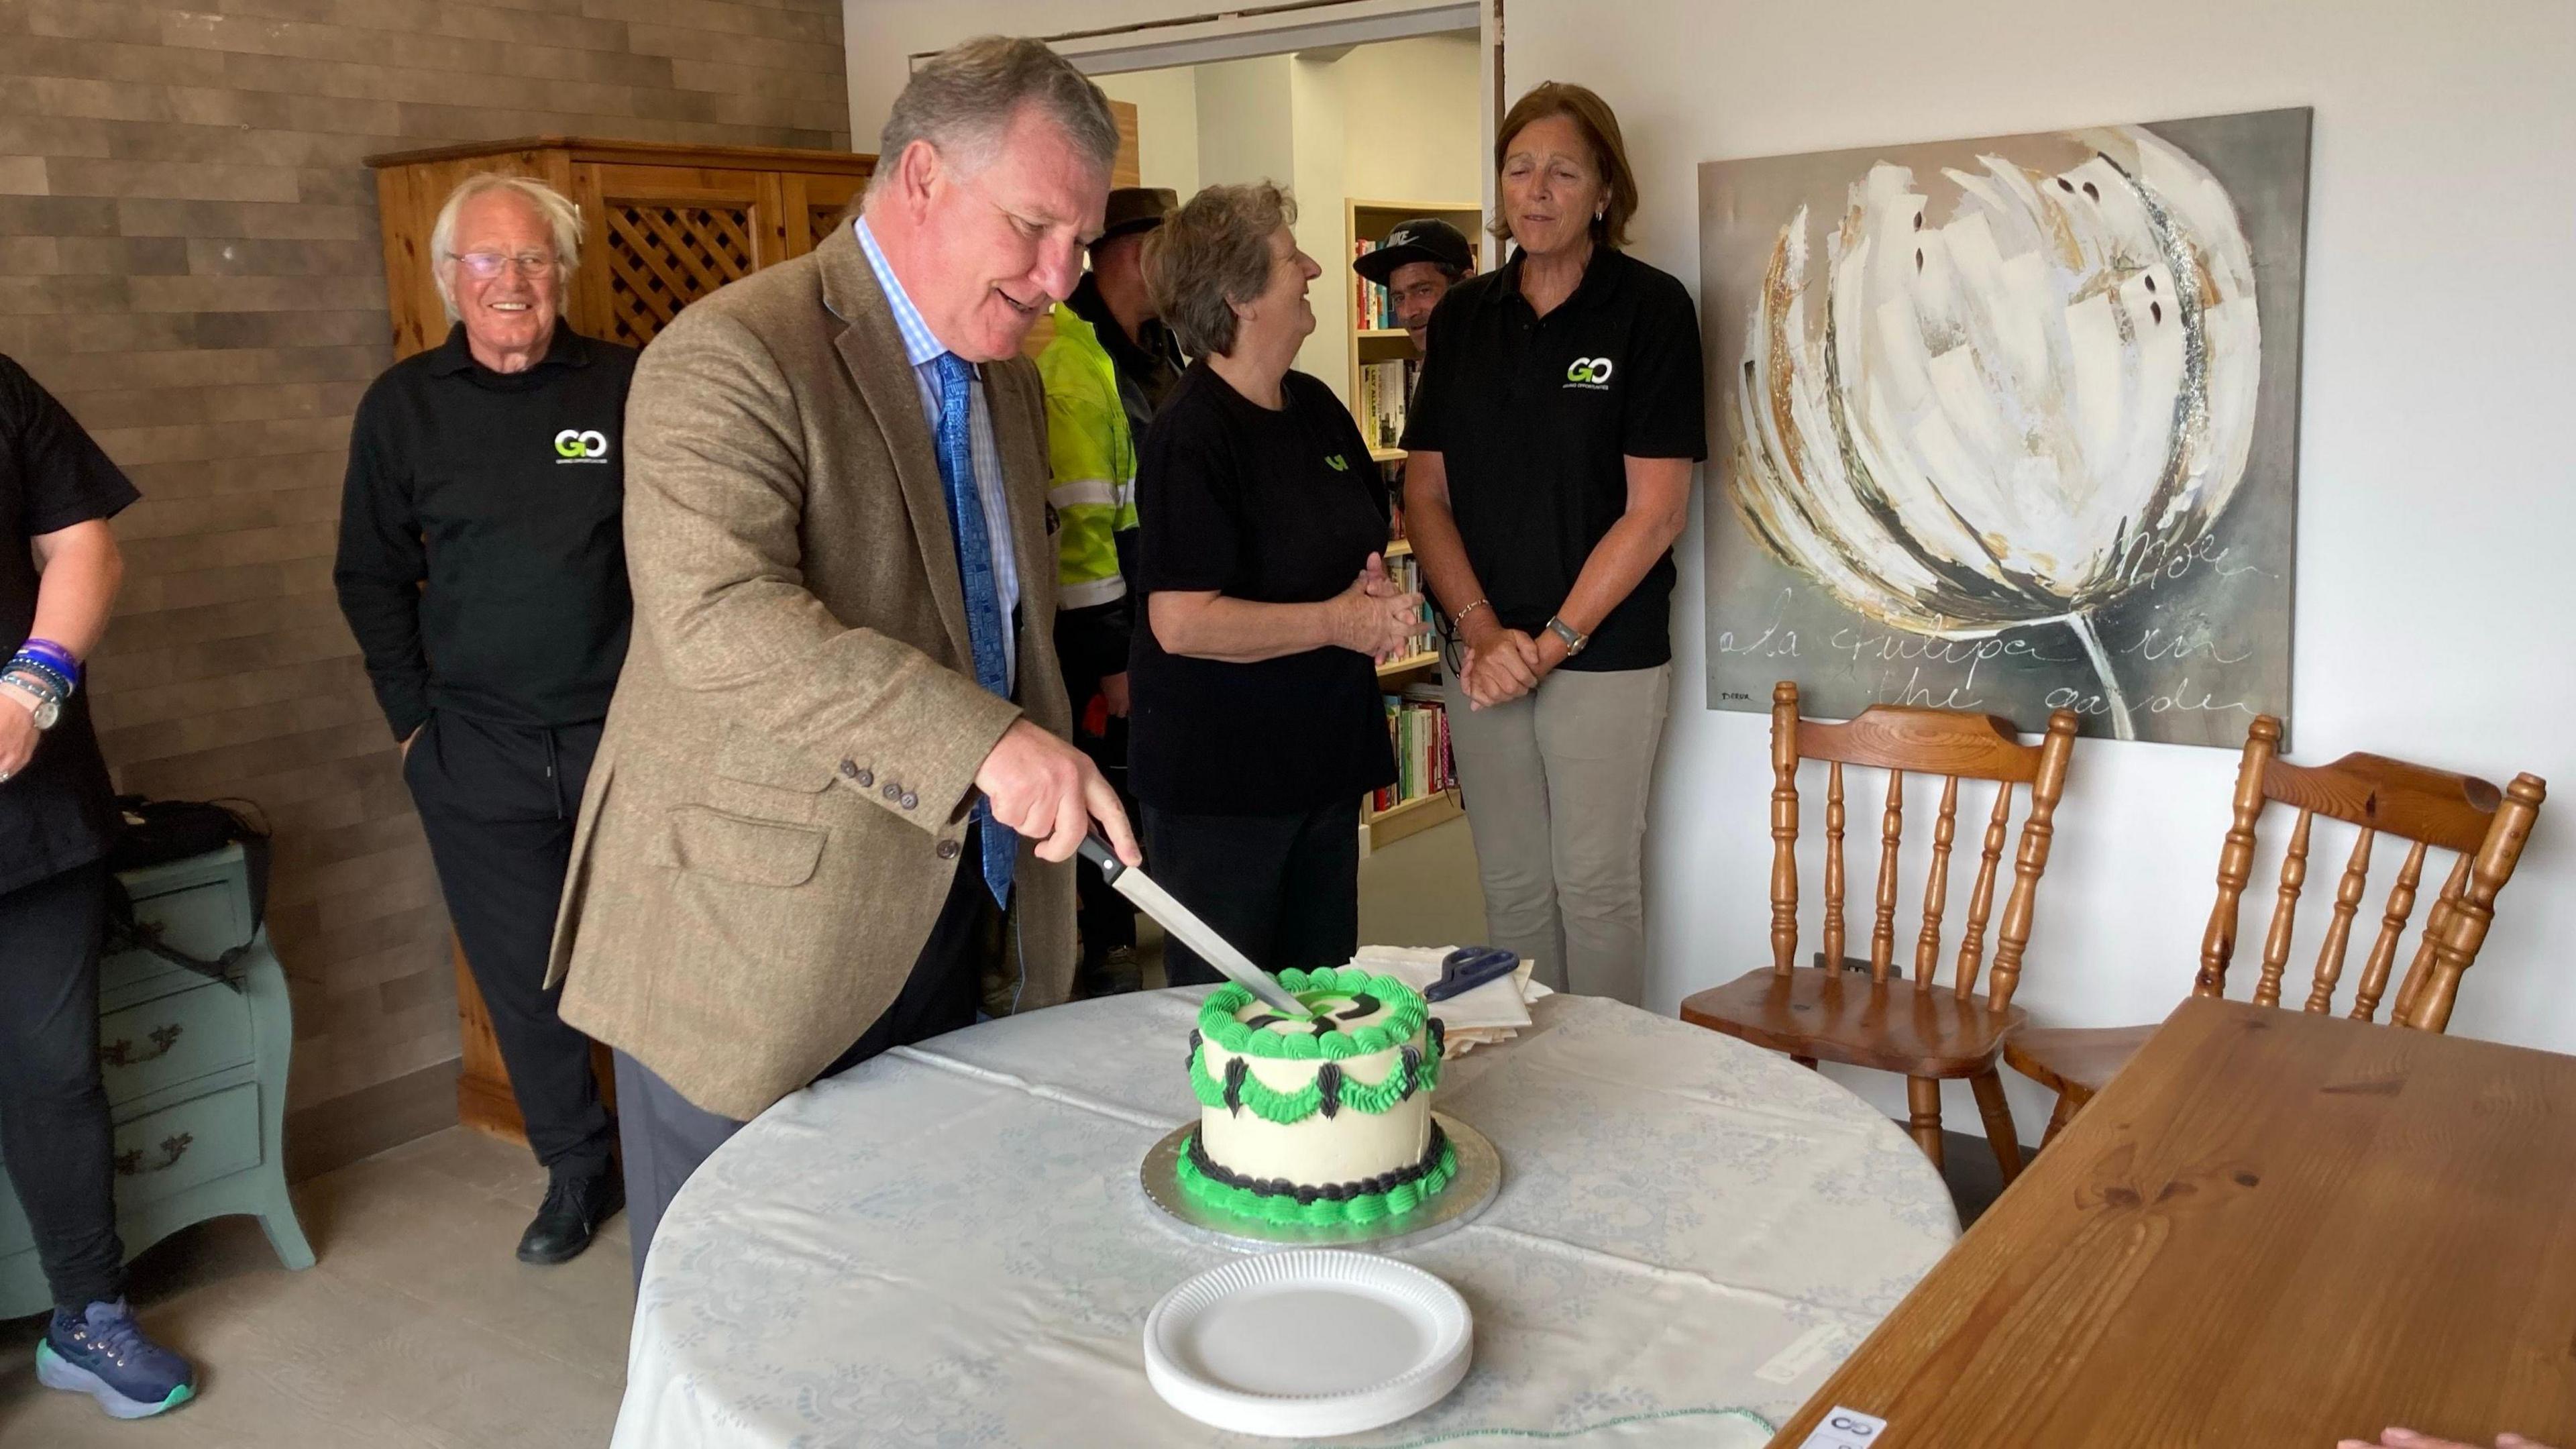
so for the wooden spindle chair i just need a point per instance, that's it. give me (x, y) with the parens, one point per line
(2427, 808)
(1918, 1027)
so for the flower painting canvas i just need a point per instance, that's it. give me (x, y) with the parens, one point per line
(2011, 424)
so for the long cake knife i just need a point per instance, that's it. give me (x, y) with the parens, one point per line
(1186, 927)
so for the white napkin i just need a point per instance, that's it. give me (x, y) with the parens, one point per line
(1495, 1011)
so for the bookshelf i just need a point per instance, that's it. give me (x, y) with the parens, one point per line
(1365, 224)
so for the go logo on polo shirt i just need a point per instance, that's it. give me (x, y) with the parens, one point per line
(573, 445)
(1590, 373)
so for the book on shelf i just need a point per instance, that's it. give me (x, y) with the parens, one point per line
(1385, 390)
(1418, 727)
(1406, 571)
(1373, 310)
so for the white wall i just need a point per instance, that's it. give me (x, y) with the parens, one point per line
(1413, 130)
(1167, 124)
(2434, 506)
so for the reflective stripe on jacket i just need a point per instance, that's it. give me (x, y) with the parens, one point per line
(1093, 458)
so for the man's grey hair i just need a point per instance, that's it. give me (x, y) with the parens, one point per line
(562, 218)
(963, 99)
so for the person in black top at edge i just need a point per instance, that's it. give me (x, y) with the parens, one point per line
(59, 569)
(1547, 473)
(483, 569)
(1256, 724)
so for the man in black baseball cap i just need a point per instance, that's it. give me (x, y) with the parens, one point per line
(1418, 263)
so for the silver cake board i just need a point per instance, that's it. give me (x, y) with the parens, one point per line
(1478, 1179)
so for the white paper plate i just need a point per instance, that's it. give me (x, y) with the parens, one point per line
(1308, 1343)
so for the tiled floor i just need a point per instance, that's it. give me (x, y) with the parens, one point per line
(417, 1328)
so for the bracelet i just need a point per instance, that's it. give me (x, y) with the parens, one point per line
(62, 659)
(33, 688)
(25, 665)
(1461, 616)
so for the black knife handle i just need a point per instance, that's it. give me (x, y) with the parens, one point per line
(1095, 848)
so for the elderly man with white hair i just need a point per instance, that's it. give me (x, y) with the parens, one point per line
(483, 569)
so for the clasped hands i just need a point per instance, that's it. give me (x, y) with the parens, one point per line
(1503, 664)
(1376, 616)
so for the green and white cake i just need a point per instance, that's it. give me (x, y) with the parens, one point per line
(1318, 1119)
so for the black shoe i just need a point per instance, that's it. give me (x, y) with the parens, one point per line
(574, 1208)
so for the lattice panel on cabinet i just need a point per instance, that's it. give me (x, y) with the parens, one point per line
(662, 258)
(822, 219)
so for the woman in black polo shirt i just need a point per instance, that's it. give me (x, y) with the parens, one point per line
(1550, 451)
(1255, 723)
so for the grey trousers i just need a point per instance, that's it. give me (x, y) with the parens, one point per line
(662, 1136)
(1555, 785)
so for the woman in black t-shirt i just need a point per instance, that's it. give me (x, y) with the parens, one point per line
(1548, 473)
(1255, 723)
(59, 568)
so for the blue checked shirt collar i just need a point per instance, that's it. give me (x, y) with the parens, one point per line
(920, 348)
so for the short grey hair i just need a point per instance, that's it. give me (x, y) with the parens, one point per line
(963, 99)
(562, 218)
(1211, 254)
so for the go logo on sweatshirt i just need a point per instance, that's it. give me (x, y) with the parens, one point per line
(573, 445)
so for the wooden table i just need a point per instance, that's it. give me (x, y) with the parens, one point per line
(2272, 1229)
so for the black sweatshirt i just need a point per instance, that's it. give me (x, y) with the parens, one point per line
(482, 558)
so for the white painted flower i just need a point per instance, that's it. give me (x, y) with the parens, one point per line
(2013, 416)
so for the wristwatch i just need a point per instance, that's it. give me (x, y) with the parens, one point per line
(1574, 639)
(49, 710)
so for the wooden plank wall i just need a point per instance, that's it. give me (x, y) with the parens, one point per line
(189, 257)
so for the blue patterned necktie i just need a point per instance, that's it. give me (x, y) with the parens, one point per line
(983, 592)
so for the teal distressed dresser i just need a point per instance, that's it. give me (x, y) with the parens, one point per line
(196, 1075)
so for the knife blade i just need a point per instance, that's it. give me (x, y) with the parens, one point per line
(1188, 929)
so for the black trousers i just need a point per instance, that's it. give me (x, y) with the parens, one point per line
(54, 1136)
(498, 803)
(1285, 889)
(666, 1136)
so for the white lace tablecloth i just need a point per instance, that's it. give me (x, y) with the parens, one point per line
(948, 1246)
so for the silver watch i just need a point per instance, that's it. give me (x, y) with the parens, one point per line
(49, 710)
(1574, 638)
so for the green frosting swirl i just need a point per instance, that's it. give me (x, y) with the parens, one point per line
(1273, 1105)
(1283, 1208)
(1403, 1021)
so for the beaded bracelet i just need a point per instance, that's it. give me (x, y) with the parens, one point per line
(27, 681)
(47, 651)
(28, 665)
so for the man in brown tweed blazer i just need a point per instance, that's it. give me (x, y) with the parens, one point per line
(780, 866)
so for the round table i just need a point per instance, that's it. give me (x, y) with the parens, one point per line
(948, 1245)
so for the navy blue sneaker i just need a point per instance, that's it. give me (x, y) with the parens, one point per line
(103, 1353)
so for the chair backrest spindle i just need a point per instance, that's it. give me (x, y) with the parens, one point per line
(2037, 832)
(2392, 924)
(1834, 865)
(2285, 913)
(2348, 892)
(1936, 883)
(2236, 858)
(1882, 927)
(1981, 898)
(1784, 827)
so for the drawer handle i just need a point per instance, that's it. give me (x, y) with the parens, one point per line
(120, 1052)
(130, 1164)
